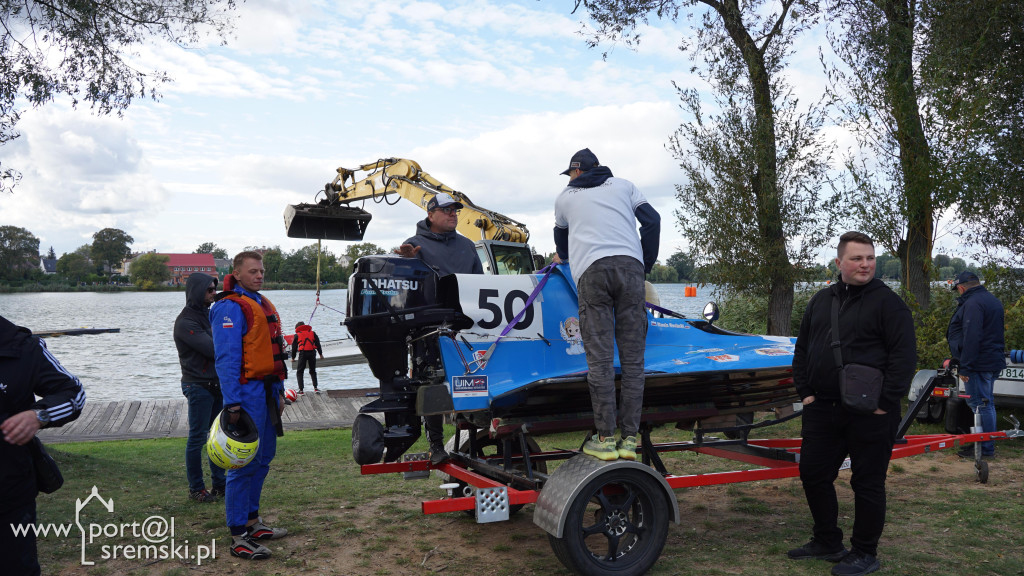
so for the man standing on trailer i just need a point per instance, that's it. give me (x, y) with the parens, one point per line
(976, 343)
(876, 330)
(595, 230)
(442, 248)
(250, 355)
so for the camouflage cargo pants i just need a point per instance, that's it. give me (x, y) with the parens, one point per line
(611, 294)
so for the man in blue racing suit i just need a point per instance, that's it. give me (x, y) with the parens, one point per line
(249, 354)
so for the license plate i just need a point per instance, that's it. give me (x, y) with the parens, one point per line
(1012, 373)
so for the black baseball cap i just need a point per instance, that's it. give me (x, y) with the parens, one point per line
(583, 160)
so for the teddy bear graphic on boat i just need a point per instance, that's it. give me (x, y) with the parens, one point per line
(570, 329)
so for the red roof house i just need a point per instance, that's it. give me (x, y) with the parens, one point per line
(183, 265)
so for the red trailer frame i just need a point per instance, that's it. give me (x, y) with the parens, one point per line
(772, 468)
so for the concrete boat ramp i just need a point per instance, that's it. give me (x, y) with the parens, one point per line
(135, 419)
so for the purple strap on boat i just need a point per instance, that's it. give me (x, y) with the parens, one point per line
(547, 270)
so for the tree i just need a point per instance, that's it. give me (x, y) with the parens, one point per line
(897, 193)
(301, 266)
(683, 264)
(356, 251)
(75, 266)
(755, 170)
(19, 252)
(150, 269)
(663, 274)
(110, 247)
(51, 255)
(211, 248)
(81, 49)
(273, 262)
(972, 64)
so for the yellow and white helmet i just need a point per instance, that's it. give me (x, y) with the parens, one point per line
(232, 446)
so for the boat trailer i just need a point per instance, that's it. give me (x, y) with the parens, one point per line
(607, 518)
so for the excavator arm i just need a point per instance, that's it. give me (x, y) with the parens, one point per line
(333, 217)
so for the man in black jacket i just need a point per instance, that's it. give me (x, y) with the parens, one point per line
(977, 344)
(193, 338)
(876, 330)
(27, 370)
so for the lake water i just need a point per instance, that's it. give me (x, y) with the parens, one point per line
(141, 363)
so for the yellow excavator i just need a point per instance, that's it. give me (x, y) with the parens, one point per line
(501, 242)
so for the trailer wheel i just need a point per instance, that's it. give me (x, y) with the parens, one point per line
(617, 525)
(933, 411)
(489, 447)
(981, 469)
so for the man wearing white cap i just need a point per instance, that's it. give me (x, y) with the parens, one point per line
(438, 244)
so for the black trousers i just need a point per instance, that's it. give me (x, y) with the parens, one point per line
(830, 434)
(306, 357)
(19, 552)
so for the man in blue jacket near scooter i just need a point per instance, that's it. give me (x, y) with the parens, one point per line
(977, 344)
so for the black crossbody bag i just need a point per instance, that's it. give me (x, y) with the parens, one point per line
(860, 386)
(48, 476)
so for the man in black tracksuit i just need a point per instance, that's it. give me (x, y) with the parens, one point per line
(27, 370)
(876, 329)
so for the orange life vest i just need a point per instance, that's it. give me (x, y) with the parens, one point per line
(262, 354)
(307, 339)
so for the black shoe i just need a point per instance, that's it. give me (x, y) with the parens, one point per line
(218, 491)
(246, 548)
(438, 455)
(201, 496)
(817, 551)
(856, 563)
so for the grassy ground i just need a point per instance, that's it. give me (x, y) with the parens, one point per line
(941, 521)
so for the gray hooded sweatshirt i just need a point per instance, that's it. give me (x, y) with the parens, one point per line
(450, 253)
(192, 333)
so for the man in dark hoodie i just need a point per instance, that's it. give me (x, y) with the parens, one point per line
(438, 244)
(876, 330)
(595, 230)
(977, 344)
(27, 371)
(199, 383)
(442, 248)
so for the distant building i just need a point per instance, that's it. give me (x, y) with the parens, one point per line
(48, 265)
(183, 265)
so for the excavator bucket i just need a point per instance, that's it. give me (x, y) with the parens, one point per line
(322, 222)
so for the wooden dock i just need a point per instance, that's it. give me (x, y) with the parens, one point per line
(136, 419)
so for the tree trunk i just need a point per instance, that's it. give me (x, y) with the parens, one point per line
(915, 156)
(765, 181)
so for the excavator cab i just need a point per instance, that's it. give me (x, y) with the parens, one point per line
(499, 257)
(325, 221)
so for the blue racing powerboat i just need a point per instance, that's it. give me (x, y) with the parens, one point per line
(503, 354)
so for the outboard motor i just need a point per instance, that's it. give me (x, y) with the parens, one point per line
(393, 301)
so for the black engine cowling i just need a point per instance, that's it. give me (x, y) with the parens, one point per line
(391, 302)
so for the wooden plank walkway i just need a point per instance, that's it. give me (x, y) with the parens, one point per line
(135, 419)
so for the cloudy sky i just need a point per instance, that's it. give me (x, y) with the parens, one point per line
(491, 98)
